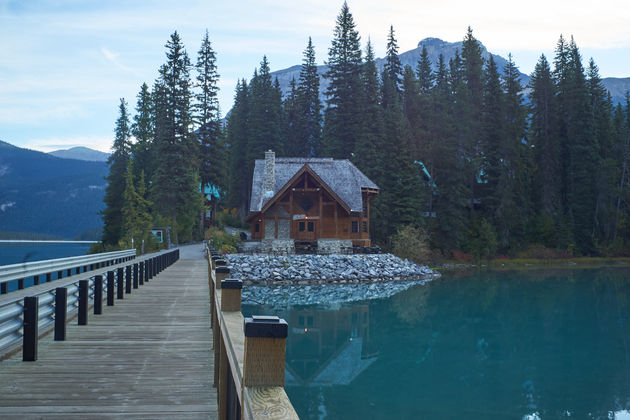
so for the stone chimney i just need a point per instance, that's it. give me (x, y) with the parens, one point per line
(269, 178)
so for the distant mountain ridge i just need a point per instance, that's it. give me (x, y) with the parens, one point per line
(435, 46)
(81, 153)
(44, 194)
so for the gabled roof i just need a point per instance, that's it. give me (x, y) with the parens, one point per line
(341, 176)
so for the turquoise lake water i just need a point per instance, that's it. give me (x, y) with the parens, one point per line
(12, 253)
(493, 345)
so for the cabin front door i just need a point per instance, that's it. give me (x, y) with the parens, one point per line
(305, 230)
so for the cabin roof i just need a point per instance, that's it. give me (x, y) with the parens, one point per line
(341, 176)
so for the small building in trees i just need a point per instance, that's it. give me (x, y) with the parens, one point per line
(319, 201)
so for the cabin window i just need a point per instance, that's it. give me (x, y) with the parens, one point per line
(257, 227)
(310, 226)
(364, 227)
(301, 226)
(354, 227)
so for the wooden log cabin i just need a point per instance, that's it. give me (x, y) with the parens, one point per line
(316, 200)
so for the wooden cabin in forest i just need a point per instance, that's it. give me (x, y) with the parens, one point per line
(317, 200)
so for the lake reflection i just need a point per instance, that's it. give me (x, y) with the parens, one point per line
(521, 345)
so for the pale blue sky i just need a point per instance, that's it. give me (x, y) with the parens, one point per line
(64, 64)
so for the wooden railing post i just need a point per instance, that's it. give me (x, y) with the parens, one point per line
(264, 351)
(31, 329)
(98, 295)
(110, 288)
(84, 288)
(231, 294)
(222, 272)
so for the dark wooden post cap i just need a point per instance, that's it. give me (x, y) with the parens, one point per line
(262, 326)
(223, 269)
(220, 262)
(234, 284)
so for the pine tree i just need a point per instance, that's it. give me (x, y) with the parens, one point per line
(493, 143)
(542, 135)
(212, 151)
(296, 144)
(114, 200)
(424, 72)
(309, 103)
(143, 130)
(368, 147)
(583, 150)
(449, 159)
(602, 118)
(399, 190)
(393, 66)
(237, 139)
(469, 98)
(265, 118)
(621, 232)
(175, 180)
(343, 115)
(515, 207)
(135, 210)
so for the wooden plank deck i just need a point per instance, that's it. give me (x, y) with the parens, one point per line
(148, 356)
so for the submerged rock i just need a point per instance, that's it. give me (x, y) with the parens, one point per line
(322, 294)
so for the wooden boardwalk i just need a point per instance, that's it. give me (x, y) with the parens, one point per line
(148, 356)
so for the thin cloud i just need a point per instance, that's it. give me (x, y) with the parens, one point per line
(112, 57)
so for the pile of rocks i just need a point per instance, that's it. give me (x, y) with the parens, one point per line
(321, 269)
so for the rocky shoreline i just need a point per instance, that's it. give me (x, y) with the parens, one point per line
(324, 269)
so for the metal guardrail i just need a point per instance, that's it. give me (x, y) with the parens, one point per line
(12, 309)
(19, 272)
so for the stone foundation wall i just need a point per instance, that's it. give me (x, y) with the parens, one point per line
(284, 229)
(277, 246)
(332, 246)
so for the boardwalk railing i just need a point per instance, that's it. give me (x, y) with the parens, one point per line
(249, 353)
(45, 269)
(28, 314)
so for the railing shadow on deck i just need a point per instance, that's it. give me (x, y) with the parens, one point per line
(28, 314)
(249, 353)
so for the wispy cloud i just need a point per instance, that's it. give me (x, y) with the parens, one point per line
(112, 57)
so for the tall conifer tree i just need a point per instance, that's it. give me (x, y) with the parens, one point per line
(143, 130)
(212, 153)
(237, 137)
(309, 103)
(543, 137)
(343, 115)
(114, 200)
(175, 186)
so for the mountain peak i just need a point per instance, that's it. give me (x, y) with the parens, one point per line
(81, 153)
(432, 42)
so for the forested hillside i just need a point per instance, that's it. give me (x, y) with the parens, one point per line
(47, 195)
(504, 175)
(452, 144)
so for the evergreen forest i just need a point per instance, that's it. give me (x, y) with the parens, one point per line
(461, 151)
